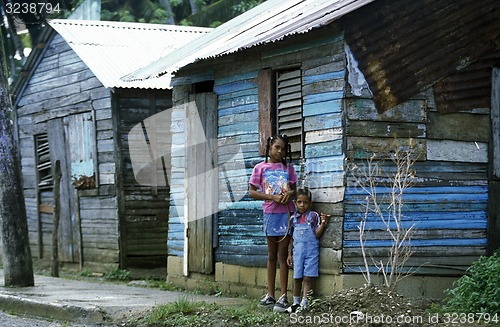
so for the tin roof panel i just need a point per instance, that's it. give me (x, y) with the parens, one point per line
(271, 21)
(113, 49)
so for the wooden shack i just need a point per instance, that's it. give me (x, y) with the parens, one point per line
(346, 80)
(73, 108)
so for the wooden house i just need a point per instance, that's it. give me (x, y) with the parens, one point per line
(346, 79)
(73, 108)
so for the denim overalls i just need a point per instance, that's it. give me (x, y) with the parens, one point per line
(305, 248)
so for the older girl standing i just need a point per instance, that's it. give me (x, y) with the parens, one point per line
(274, 181)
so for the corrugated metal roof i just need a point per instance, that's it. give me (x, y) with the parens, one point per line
(406, 46)
(113, 49)
(271, 21)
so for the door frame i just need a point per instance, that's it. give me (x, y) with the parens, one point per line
(201, 183)
(494, 165)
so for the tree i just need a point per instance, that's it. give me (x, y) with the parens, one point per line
(14, 240)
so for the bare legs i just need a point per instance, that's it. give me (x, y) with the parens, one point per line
(308, 285)
(277, 252)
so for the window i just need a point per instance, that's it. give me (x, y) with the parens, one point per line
(43, 166)
(289, 108)
(280, 107)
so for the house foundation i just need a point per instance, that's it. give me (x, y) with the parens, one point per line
(252, 281)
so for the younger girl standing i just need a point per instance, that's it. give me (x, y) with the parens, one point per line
(274, 181)
(307, 227)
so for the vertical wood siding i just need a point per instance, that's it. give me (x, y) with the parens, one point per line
(240, 236)
(62, 85)
(145, 214)
(175, 238)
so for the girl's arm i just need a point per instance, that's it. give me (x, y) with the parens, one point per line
(287, 196)
(323, 219)
(289, 259)
(255, 194)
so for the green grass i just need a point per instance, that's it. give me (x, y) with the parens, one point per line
(184, 312)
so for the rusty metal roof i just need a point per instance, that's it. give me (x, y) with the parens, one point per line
(406, 46)
(113, 49)
(271, 21)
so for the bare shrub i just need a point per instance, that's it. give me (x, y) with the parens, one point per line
(384, 185)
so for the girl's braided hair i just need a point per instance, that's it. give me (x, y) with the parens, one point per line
(284, 138)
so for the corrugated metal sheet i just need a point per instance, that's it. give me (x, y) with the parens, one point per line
(271, 21)
(469, 88)
(113, 49)
(406, 46)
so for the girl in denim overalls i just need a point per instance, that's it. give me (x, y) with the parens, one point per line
(307, 227)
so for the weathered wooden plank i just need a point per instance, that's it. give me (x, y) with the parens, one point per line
(365, 147)
(438, 251)
(328, 194)
(385, 129)
(246, 260)
(322, 97)
(325, 149)
(419, 233)
(412, 111)
(336, 55)
(324, 180)
(242, 128)
(323, 135)
(447, 150)
(325, 164)
(234, 86)
(98, 202)
(231, 78)
(60, 112)
(324, 77)
(319, 108)
(459, 242)
(451, 127)
(326, 121)
(336, 85)
(298, 47)
(239, 109)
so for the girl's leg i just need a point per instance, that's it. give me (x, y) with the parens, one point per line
(297, 287)
(272, 258)
(308, 285)
(282, 255)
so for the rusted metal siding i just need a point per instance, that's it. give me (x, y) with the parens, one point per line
(467, 89)
(405, 46)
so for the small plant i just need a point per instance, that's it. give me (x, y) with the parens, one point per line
(478, 291)
(118, 274)
(184, 312)
(207, 286)
(86, 273)
(384, 203)
(162, 285)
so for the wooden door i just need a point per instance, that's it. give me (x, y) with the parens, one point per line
(58, 152)
(201, 186)
(71, 142)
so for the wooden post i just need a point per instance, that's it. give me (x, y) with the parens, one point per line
(55, 227)
(78, 229)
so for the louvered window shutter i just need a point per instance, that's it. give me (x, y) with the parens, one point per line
(43, 166)
(289, 108)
